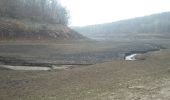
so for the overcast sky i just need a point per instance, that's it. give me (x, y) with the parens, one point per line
(87, 12)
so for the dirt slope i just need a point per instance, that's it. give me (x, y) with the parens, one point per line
(18, 29)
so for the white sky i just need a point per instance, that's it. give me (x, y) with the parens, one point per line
(87, 12)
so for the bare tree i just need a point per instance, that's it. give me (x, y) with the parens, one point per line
(39, 10)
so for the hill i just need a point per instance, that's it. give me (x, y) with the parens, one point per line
(157, 25)
(18, 29)
(34, 20)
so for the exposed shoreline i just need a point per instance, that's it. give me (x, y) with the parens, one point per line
(50, 66)
(132, 56)
(45, 55)
(116, 79)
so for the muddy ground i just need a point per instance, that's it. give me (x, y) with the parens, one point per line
(92, 52)
(109, 77)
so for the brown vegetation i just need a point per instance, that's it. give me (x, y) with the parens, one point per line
(38, 10)
(13, 29)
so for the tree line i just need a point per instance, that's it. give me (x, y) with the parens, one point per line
(49, 11)
(156, 23)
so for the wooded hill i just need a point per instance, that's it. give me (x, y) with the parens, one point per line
(152, 24)
(37, 10)
(35, 20)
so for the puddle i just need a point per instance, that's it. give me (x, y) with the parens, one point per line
(131, 57)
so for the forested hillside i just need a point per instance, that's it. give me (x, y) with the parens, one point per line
(38, 10)
(34, 19)
(153, 24)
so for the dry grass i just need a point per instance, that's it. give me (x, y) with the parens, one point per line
(22, 29)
